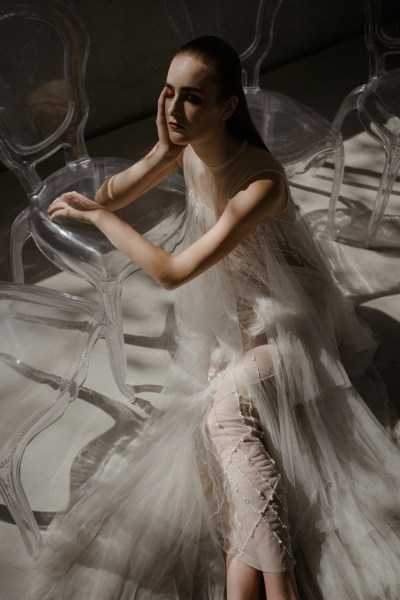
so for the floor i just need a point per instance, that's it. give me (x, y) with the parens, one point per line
(58, 459)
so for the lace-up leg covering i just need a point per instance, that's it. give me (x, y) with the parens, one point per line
(256, 530)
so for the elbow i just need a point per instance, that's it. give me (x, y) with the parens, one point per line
(169, 283)
(101, 196)
(173, 273)
(169, 277)
(170, 287)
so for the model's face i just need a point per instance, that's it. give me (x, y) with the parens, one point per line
(193, 108)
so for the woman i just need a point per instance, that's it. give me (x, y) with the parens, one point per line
(260, 431)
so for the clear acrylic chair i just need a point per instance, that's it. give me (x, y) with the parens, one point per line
(378, 106)
(43, 108)
(299, 137)
(45, 342)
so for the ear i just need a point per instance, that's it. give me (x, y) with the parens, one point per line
(230, 107)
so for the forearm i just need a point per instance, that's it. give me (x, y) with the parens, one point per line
(121, 189)
(152, 259)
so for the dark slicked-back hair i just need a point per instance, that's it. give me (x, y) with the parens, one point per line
(224, 64)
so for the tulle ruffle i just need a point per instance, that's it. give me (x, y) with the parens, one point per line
(152, 523)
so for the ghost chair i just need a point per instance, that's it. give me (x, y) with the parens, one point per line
(377, 103)
(45, 342)
(43, 108)
(299, 137)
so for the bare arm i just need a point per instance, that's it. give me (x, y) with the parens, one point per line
(121, 189)
(242, 214)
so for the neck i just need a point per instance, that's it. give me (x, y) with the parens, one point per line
(216, 151)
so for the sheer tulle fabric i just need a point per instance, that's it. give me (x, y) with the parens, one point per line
(260, 447)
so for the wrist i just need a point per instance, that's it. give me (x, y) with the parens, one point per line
(99, 216)
(167, 154)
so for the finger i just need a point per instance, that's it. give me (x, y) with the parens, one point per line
(161, 97)
(67, 212)
(57, 204)
(161, 102)
(63, 198)
(71, 194)
(57, 214)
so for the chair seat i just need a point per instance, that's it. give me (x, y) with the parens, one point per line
(81, 248)
(77, 247)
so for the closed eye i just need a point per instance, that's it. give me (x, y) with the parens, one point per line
(192, 99)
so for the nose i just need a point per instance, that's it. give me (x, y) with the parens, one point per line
(175, 107)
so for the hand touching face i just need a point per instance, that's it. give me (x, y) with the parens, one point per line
(193, 108)
(173, 149)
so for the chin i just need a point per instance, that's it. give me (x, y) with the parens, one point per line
(178, 138)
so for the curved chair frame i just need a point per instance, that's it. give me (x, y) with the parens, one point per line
(20, 306)
(48, 98)
(378, 106)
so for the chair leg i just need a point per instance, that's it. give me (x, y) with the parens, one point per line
(390, 171)
(338, 172)
(18, 505)
(19, 235)
(348, 105)
(114, 335)
(10, 479)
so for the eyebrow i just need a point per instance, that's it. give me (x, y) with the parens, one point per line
(186, 88)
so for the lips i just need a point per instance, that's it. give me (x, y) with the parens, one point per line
(174, 125)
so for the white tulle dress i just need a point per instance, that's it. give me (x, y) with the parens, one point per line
(260, 448)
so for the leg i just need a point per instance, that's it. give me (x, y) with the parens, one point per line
(281, 586)
(242, 581)
(256, 531)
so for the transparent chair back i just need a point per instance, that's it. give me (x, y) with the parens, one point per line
(382, 34)
(247, 27)
(43, 106)
(378, 106)
(44, 48)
